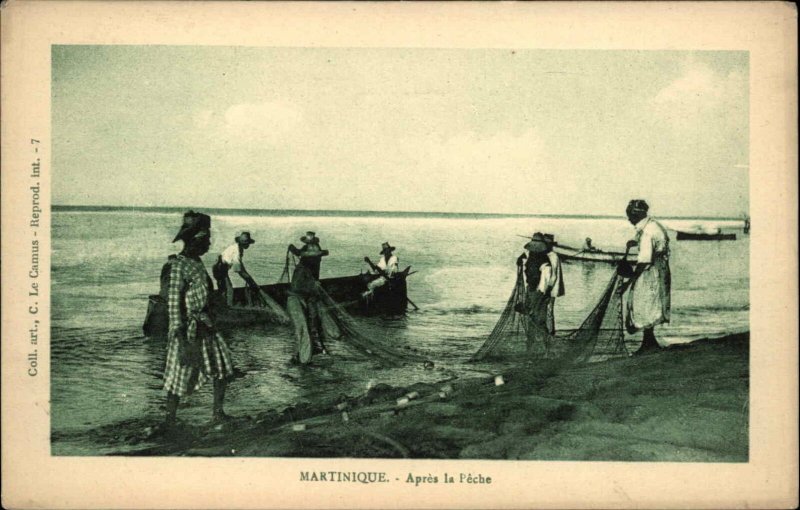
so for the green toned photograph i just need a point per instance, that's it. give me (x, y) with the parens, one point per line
(400, 253)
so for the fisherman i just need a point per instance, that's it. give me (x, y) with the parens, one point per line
(302, 304)
(195, 351)
(649, 296)
(313, 263)
(386, 268)
(558, 282)
(588, 245)
(540, 280)
(231, 260)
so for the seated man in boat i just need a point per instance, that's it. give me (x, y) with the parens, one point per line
(649, 296)
(303, 305)
(558, 282)
(386, 268)
(231, 260)
(588, 245)
(195, 351)
(539, 280)
(310, 242)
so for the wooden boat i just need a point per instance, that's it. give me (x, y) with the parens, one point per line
(704, 236)
(568, 253)
(390, 299)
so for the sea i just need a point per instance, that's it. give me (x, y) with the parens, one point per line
(106, 376)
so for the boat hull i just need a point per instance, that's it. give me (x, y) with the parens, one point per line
(698, 236)
(574, 254)
(390, 299)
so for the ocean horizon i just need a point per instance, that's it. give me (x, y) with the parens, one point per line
(359, 213)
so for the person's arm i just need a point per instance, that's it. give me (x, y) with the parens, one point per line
(392, 266)
(545, 278)
(375, 268)
(295, 251)
(174, 298)
(521, 259)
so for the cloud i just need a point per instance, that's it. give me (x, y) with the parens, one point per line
(700, 91)
(271, 122)
(268, 121)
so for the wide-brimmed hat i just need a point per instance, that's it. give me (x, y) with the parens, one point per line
(387, 247)
(537, 244)
(194, 223)
(550, 239)
(310, 238)
(244, 237)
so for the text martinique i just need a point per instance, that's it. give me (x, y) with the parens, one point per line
(377, 477)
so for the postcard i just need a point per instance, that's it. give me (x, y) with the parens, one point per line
(412, 255)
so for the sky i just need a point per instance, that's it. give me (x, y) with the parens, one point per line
(517, 131)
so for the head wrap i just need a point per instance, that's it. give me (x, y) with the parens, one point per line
(193, 223)
(638, 206)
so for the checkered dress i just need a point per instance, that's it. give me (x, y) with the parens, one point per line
(187, 304)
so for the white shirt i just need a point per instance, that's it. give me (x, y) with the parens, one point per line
(232, 257)
(555, 262)
(389, 267)
(652, 239)
(546, 278)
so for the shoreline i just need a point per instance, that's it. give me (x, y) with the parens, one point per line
(687, 402)
(357, 214)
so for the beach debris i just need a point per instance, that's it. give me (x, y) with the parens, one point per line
(498, 380)
(429, 365)
(345, 416)
(341, 406)
(298, 427)
(445, 391)
(401, 402)
(412, 395)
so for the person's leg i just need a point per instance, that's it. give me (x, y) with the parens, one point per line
(219, 399)
(649, 342)
(172, 409)
(228, 291)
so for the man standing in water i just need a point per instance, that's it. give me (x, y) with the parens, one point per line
(540, 281)
(302, 304)
(231, 260)
(649, 295)
(195, 351)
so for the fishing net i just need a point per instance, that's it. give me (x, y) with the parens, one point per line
(337, 324)
(357, 337)
(516, 334)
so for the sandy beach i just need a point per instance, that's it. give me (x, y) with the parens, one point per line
(684, 403)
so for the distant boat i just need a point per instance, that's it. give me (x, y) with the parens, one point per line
(704, 236)
(747, 225)
(595, 255)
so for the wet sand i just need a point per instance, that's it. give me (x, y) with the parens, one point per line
(684, 403)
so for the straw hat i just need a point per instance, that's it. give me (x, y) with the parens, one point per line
(244, 238)
(387, 247)
(537, 244)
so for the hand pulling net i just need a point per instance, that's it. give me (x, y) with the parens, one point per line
(515, 334)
